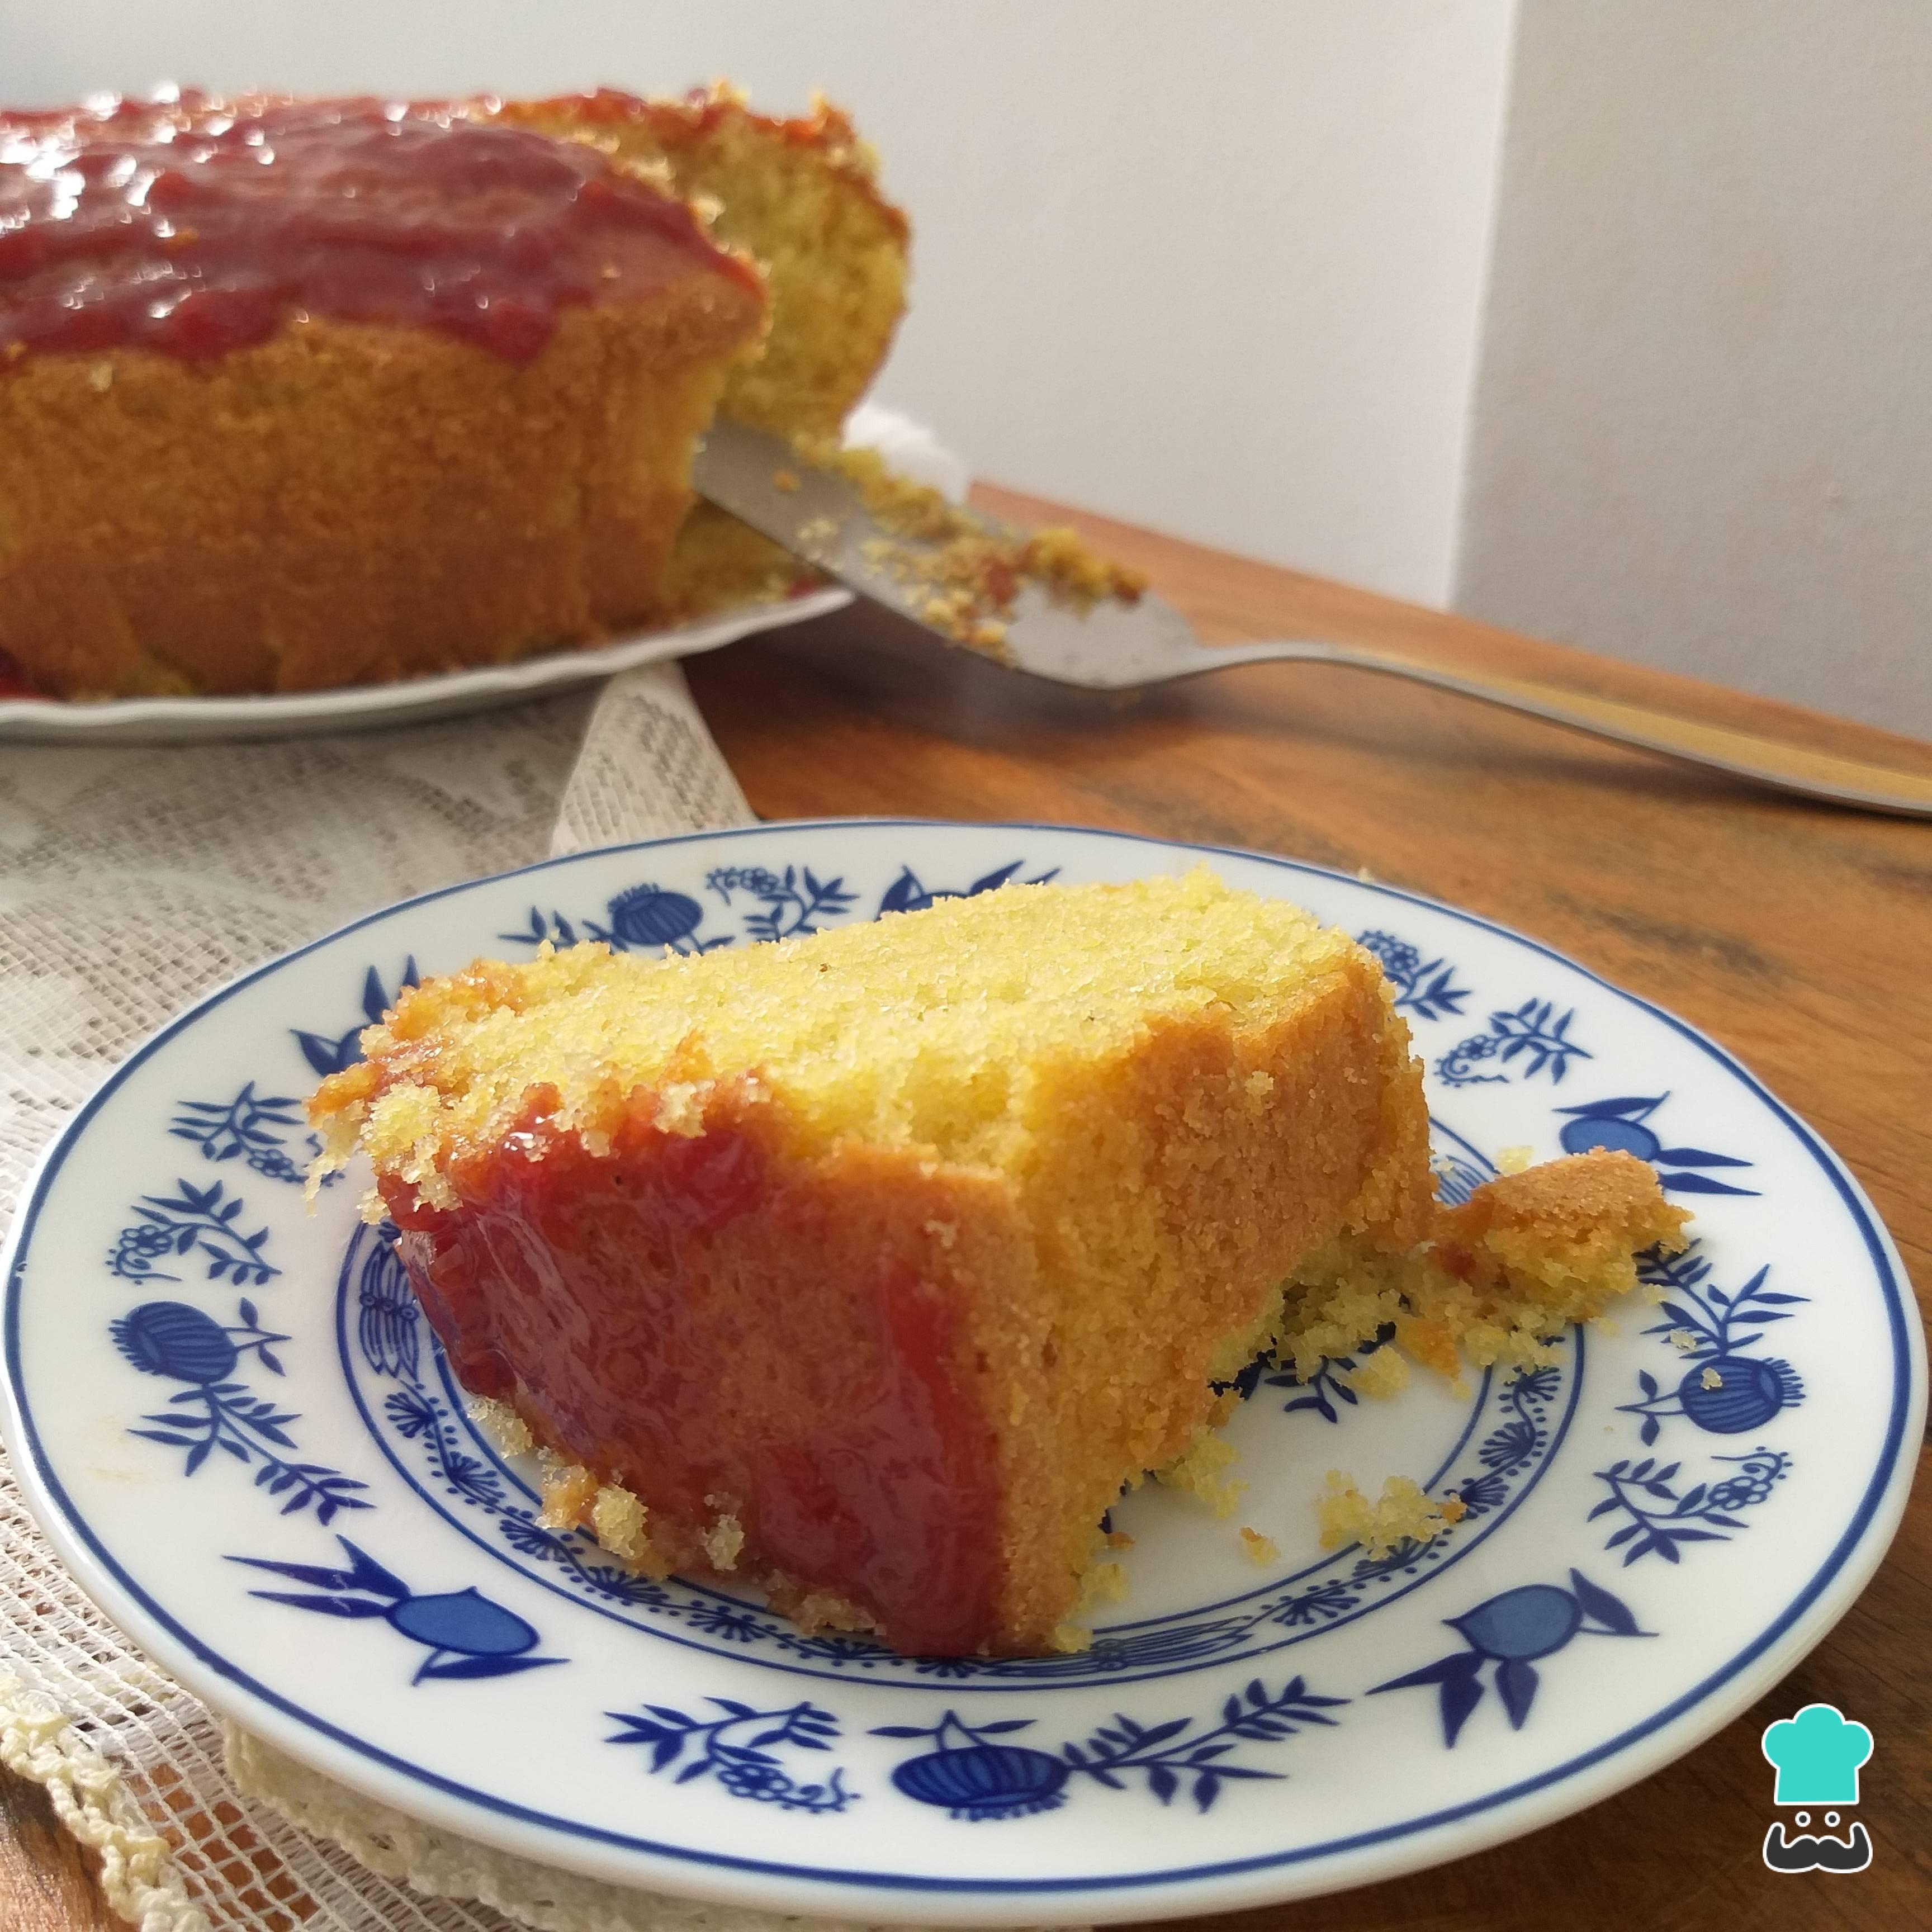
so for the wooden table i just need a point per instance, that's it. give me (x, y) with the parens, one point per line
(1798, 935)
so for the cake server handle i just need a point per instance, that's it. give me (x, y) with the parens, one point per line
(1787, 767)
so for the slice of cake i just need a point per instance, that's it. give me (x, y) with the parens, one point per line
(868, 1267)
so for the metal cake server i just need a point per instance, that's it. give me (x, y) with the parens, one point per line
(1115, 646)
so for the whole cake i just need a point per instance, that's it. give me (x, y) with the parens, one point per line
(867, 1268)
(297, 394)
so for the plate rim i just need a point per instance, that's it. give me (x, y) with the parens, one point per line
(1639, 1749)
(220, 717)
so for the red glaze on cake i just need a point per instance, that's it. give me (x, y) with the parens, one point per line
(595, 1275)
(194, 228)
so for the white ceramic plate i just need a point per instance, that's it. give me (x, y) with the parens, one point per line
(361, 707)
(241, 1436)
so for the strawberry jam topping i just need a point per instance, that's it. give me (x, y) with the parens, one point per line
(619, 1300)
(192, 229)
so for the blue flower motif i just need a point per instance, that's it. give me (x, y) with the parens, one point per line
(243, 1129)
(170, 1340)
(975, 1781)
(1426, 989)
(1652, 1530)
(174, 1225)
(1531, 1035)
(1723, 1391)
(1507, 1634)
(741, 1750)
(795, 904)
(386, 1322)
(467, 1634)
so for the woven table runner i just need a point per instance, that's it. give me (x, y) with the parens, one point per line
(132, 881)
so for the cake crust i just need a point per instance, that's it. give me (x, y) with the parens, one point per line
(347, 503)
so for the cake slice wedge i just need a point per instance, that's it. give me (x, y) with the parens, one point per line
(867, 1268)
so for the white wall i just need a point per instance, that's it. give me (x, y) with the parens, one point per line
(1703, 435)
(1216, 267)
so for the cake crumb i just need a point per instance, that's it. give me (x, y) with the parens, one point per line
(1402, 1513)
(1118, 1539)
(1453, 1509)
(1682, 1340)
(1710, 1379)
(617, 1521)
(1071, 1639)
(1199, 1469)
(506, 1429)
(1381, 1374)
(1261, 1550)
(1514, 1159)
(820, 1610)
(722, 1542)
(567, 1489)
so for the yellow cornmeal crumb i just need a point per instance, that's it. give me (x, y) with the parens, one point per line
(1453, 1509)
(617, 1521)
(1514, 1159)
(1682, 1340)
(1118, 1539)
(1198, 1469)
(1382, 1374)
(821, 1610)
(722, 1542)
(1071, 1639)
(1402, 1513)
(1710, 1379)
(1260, 1549)
(501, 1423)
(568, 1490)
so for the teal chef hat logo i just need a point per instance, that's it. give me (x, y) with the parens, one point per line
(1817, 1754)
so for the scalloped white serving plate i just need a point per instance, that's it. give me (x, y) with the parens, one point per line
(365, 707)
(240, 1434)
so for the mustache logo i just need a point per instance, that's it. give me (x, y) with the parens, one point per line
(1822, 1852)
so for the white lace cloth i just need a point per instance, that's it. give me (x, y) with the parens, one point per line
(131, 881)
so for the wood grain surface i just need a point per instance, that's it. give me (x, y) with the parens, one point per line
(1798, 935)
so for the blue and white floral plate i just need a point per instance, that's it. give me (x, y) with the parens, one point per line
(242, 1438)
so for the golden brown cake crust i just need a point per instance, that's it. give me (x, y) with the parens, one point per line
(348, 502)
